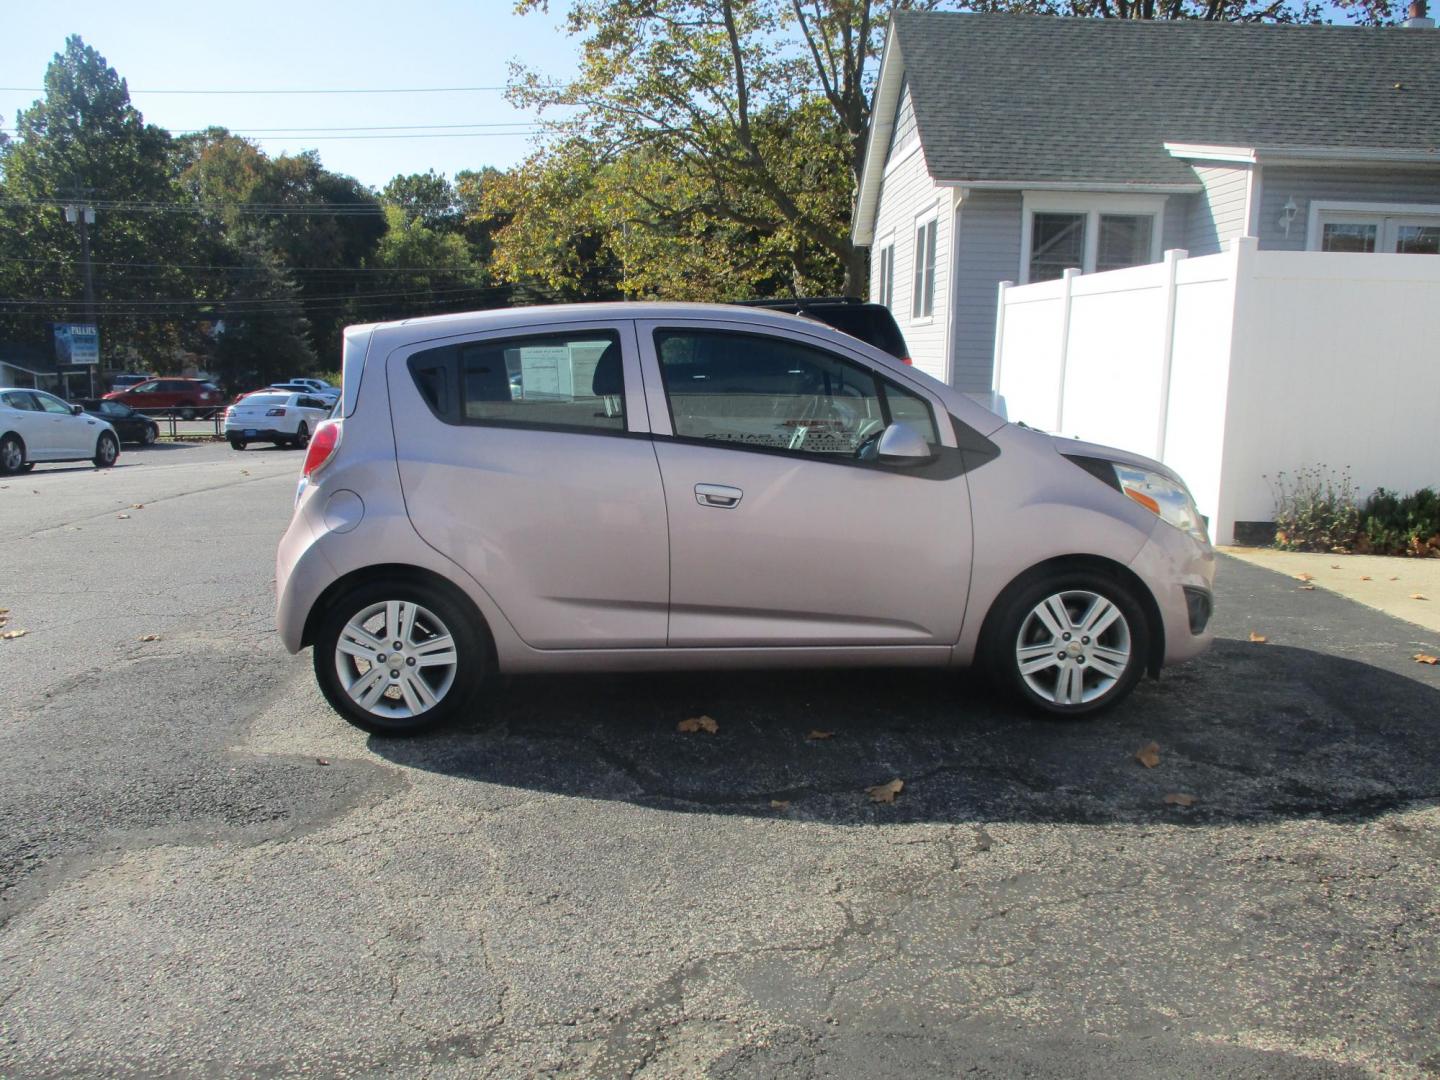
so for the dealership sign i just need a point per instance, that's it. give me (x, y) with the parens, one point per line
(77, 344)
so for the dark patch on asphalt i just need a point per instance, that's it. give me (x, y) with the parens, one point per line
(1300, 725)
(138, 755)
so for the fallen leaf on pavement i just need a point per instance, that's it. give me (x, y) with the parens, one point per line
(1334, 566)
(4, 611)
(322, 761)
(1175, 798)
(137, 506)
(698, 723)
(1364, 577)
(1418, 596)
(1259, 639)
(1148, 755)
(122, 517)
(11, 634)
(1395, 578)
(1306, 588)
(1426, 658)
(1305, 577)
(885, 793)
(244, 472)
(816, 733)
(149, 637)
(779, 804)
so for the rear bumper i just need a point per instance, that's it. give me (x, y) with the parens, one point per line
(240, 431)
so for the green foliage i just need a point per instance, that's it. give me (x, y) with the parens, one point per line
(1315, 510)
(1397, 524)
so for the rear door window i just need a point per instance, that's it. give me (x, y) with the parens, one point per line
(563, 382)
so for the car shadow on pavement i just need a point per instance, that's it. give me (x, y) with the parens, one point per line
(1248, 732)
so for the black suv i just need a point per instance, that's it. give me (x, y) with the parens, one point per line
(871, 323)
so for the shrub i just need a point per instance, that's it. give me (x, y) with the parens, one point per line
(1402, 524)
(1315, 510)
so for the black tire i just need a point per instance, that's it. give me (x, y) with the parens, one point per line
(237, 444)
(302, 436)
(107, 450)
(12, 455)
(456, 616)
(187, 413)
(1044, 687)
(150, 436)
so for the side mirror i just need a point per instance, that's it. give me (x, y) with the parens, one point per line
(901, 444)
(76, 410)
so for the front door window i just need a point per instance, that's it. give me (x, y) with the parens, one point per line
(1367, 231)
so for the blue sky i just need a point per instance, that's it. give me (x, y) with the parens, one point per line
(263, 44)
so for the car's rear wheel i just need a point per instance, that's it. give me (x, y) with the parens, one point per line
(399, 659)
(12, 454)
(187, 413)
(237, 444)
(107, 449)
(1070, 643)
(302, 435)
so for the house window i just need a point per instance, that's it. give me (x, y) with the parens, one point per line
(1087, 232)
(1375, 227)
(885, 283)
(923, 304)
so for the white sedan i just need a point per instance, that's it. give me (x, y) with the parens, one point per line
(36, 426)
(275, 417)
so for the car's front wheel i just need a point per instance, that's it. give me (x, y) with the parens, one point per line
(107, 449)
(1071, 643)
(399, 659)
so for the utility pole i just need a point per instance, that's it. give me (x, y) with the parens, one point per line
(83, 215)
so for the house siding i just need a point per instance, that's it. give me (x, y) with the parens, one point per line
(988, 253)
(1217, 215)
(904, 132)
(1175, 233)
(907, 194)
(1388, 185)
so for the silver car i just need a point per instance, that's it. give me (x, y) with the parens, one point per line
(629, 487)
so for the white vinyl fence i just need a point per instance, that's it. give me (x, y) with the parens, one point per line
(1233, 367)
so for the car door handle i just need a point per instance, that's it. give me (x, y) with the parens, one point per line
(725, 498)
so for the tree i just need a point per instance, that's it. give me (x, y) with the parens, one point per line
(84, 140)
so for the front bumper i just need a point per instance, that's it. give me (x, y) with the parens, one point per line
(1179, 571)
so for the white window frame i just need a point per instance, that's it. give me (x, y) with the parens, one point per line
(1388, 216)
(927, 218)
(885, 272)
(1092, 205)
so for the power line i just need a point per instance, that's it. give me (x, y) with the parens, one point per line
(347, 90)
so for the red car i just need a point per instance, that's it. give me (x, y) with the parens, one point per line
(188, 397)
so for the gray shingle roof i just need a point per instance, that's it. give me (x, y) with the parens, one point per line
(1045, 99)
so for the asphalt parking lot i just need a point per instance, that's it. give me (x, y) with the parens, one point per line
(204, 871)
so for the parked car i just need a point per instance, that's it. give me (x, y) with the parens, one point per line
(279, 418)
(871, 323)
(694, 487)
(300, 386)
(129, 425)
(187, 398)
(318, 385)
(36, 426)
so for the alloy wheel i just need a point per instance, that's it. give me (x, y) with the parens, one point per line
(396, 659)
(1073, 647)
(11, 456)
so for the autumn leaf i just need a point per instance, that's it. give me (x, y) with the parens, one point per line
(1334, 566)
(149, 637)
(322, 761)
(698, 723)
(122, 517)
(1305, 577)
(1148, 755)
(1426, 658)
(1418, 596)
(1396, 578)
(1364, 577)
(885, 793)
(1305, 588)
(816, 734)
(1258, 639)
(779, 804)
(10, 635)
(1175, 798)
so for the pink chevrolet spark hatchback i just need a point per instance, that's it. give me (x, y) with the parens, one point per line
(624, 487)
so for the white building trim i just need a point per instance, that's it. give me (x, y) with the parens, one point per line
(1092, 204)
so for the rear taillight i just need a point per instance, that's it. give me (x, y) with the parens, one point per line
(275, 412)
(907, 361)
(323, 445)
(229, 413)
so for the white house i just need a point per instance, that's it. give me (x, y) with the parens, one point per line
(1013, 147)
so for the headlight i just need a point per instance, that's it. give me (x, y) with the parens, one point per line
(1163, 497)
